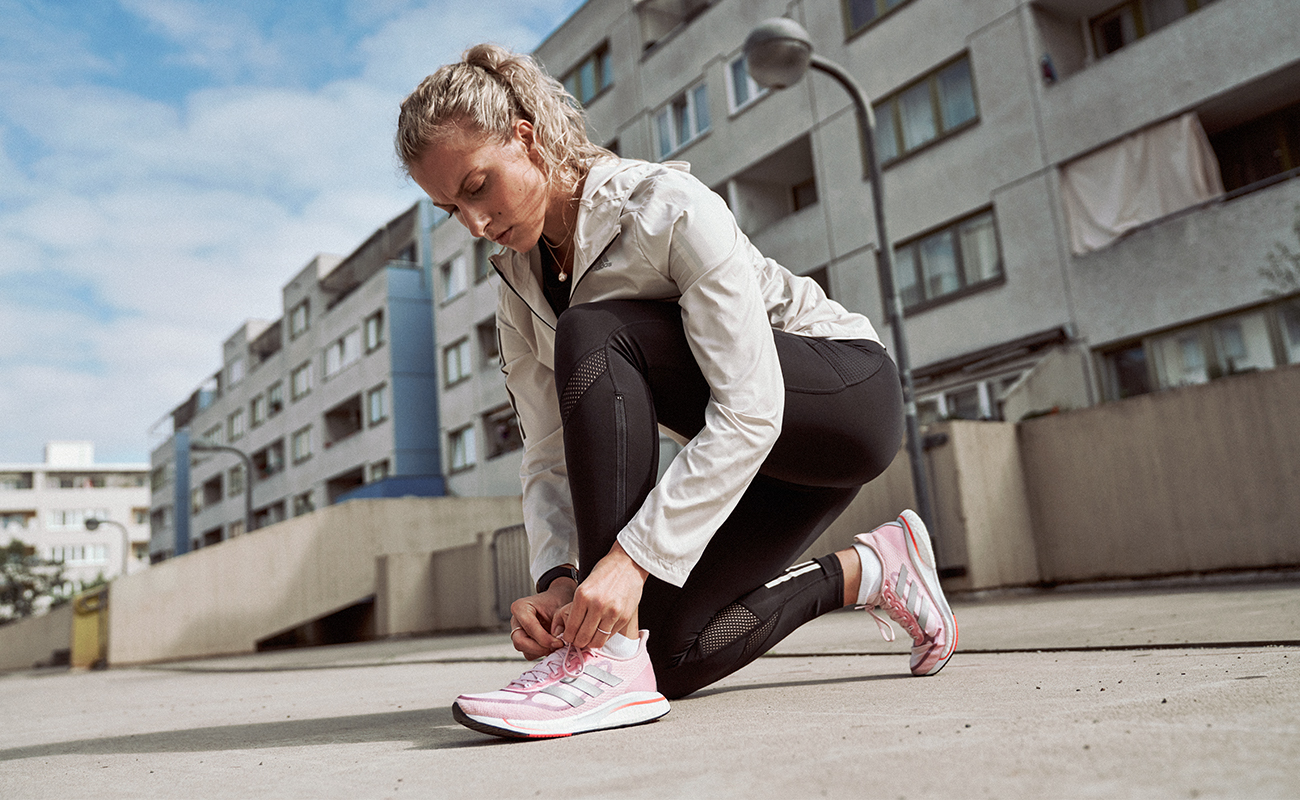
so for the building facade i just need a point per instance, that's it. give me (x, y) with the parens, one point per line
(47, 505)
(1088, 200)
(334, 400)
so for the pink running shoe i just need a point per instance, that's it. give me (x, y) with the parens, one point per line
(910, 592)
(570, 691)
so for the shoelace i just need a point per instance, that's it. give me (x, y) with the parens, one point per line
(898, 612)
(567, 661)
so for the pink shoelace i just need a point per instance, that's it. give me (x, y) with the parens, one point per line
(568, 661)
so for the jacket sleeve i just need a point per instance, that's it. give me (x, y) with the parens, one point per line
(548, 507)
(683, 227)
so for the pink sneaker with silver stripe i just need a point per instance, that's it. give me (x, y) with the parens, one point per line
(910, 592)
(570, 691)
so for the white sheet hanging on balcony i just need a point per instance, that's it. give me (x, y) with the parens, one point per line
(1154, 172)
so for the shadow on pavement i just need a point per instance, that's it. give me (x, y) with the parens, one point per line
(709, 692)
(426, 729)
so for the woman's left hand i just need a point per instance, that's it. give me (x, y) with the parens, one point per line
(604, 603)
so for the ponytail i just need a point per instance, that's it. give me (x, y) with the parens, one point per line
(487, 91)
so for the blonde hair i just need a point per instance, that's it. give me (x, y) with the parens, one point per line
(487, 91)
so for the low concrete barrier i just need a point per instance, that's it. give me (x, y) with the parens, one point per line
(226, 598)
(41, 641)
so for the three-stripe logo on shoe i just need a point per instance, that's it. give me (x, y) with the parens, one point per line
(915, 603)
(585, 689)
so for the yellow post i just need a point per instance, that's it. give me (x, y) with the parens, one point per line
(90, 629)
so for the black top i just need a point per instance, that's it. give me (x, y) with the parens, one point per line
(555, 290)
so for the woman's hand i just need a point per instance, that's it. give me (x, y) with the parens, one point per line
(532, 617)
(605, 603)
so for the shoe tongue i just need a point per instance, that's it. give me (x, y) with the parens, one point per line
(546, 669)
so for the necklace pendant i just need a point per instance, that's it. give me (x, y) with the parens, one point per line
(564, 276)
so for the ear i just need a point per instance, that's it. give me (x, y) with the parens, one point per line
(523, 130)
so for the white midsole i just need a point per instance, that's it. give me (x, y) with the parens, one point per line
(628, 709)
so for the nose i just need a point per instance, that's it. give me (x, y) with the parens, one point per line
(475, 220)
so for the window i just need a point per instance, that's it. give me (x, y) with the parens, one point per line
(211, 435)
(257, 410)
(269, 460)
(374, 330)
(658, 19)
(482, 264)
(299, 319)
(301, 445)
(275, 399)
(682, 120)
(455, 363)
(377, 405)
(1258, 149)
(80, 554)
(300, 381)
(962, 256)
(741, 89)
(196, 500)
(73, 519)
(235, 481)
(235, 372)
(17, 480)
(234, 529)
(486, 333)
(501, 428)
(303, 504)
(342, 352)
(1130, 21)
(235, 425)
(934, 107)
(462, 449)
(591, 77)
(377, 471)
(861, 13)
(140, 516)
(804, 194)
(455, 278)
(1255, 340)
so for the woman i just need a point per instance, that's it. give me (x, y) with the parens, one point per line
(630, 300)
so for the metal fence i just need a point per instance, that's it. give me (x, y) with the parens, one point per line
(510, 567)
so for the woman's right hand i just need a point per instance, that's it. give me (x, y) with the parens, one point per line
(531, 618)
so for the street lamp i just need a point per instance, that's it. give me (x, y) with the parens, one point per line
(248, 477)
(778, 52)
(93, 524)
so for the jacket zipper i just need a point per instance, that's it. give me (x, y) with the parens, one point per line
(572, 289)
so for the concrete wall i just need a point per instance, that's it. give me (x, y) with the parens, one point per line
(36, 641)
(226, 598)
(1197, 479)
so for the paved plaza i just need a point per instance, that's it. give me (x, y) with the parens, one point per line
(1188, 691)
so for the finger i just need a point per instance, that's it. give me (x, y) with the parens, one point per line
(529, 618)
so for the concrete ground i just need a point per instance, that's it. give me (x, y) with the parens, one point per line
(1153, 691)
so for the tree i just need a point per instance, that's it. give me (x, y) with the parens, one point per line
(24, 580)
(1283, 270)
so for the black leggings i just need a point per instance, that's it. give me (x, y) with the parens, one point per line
(622, 367)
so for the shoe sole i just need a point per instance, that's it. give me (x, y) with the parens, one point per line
(636, 708)
(921, 554)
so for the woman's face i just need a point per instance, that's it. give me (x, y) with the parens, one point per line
(496, 190)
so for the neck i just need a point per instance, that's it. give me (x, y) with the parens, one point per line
(560, 217)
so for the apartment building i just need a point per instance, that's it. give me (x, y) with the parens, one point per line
(47, 506)
(1083, 195)
(336, 399)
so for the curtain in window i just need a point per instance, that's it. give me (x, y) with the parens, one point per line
(1142, 177)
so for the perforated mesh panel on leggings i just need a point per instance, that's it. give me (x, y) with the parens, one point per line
(588, 371)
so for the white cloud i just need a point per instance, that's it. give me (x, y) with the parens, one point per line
(155, 229)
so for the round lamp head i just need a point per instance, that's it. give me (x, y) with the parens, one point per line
(92, 524)
(777, 53)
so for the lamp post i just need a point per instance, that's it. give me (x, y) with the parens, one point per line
(248, 476)
(778, 52)
(93, 524)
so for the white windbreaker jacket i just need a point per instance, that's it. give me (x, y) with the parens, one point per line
(653, 232)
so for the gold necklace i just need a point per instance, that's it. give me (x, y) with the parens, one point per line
(557, 258)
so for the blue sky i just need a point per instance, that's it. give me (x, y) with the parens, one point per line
(167, 165)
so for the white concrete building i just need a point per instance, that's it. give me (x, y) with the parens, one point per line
(1083, 195)
(336, 399)
(47, 505)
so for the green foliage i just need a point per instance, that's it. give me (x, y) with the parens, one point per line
(1283, 270)
(24, 580)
